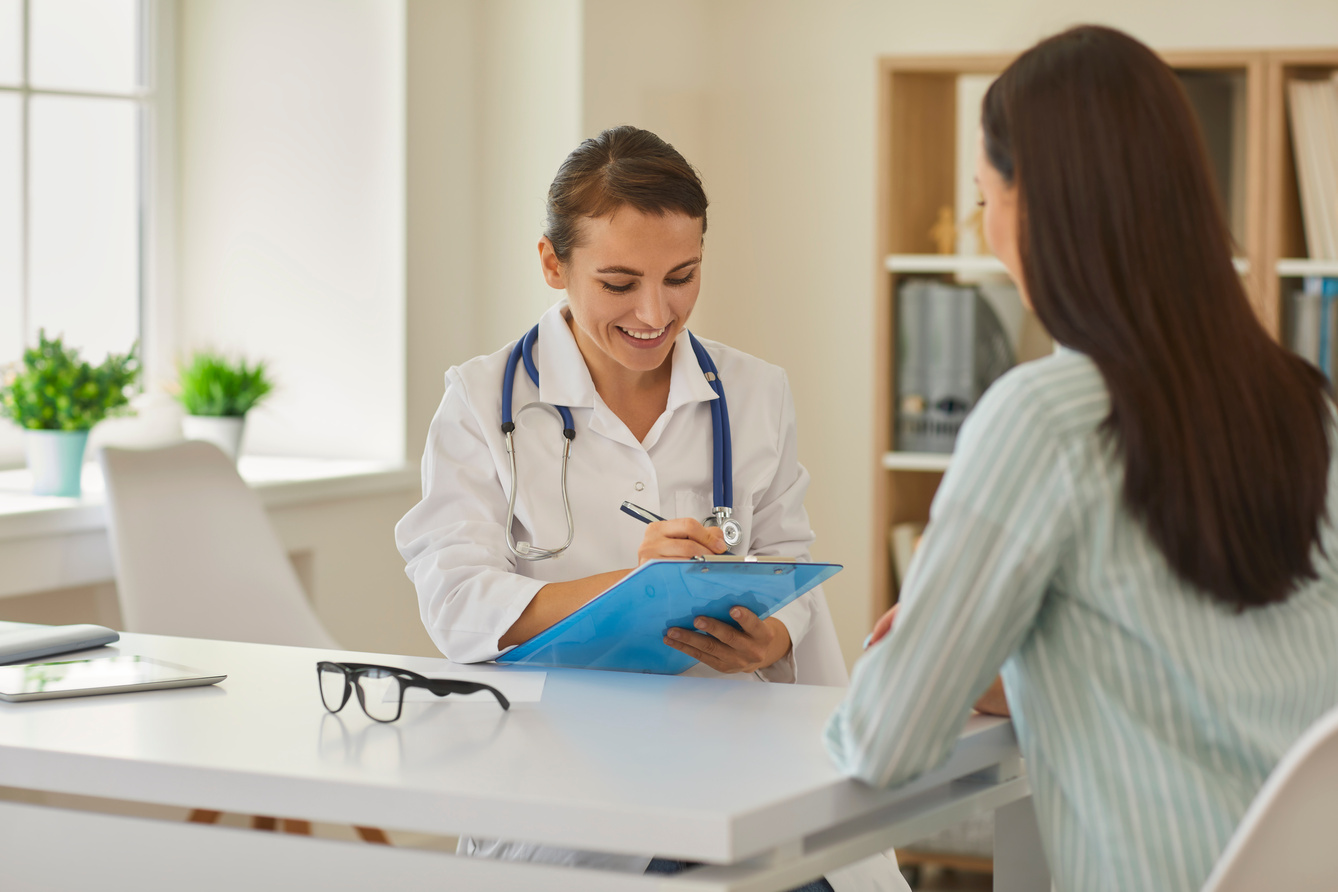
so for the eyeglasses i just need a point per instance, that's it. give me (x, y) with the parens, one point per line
(381, 688)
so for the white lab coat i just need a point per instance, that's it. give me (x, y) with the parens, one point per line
(471, 589)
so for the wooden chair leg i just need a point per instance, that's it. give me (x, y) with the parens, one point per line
(259, 822)
(373, 835)
(204, 816)
(292, 825)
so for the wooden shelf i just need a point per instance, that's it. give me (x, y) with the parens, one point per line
(982, 263)
(916, 461)
(943, 263)
(1298, 267)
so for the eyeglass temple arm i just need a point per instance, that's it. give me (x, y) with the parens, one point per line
(443, 686)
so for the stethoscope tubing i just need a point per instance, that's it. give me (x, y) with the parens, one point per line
(722, 450)
(722, 457)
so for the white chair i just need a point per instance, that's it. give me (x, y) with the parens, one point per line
(1286, 839)
(195, 553)
(196, 556)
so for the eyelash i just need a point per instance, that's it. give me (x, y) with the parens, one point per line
(623, 289)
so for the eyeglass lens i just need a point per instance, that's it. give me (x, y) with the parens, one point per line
(334, 687)
(380, 692)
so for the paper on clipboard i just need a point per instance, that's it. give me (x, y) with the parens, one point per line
(623, 628)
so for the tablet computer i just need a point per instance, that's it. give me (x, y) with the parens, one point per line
(102, 675)
(623, 628)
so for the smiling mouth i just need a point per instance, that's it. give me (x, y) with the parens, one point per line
(643, 335)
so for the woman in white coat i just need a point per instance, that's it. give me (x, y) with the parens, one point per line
(626, 219)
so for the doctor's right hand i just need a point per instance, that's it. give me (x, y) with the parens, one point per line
(681, 537)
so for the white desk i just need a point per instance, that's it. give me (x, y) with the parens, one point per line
(728, 773)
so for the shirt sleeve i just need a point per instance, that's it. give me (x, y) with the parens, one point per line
(781, 529)
(997, 527)
(454, 540)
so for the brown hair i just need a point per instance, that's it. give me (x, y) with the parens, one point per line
(1127, 258)
(622, 166)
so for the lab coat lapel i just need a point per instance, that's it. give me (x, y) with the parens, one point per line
(564, 378)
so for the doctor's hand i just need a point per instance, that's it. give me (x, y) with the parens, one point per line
(682, 537)
(756, 645)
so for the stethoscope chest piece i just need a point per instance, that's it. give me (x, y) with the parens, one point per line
(720, 517)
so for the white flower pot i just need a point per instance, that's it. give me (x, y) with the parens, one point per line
(56, 460)
(224, 431)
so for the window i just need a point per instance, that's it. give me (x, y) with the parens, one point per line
(75, 118)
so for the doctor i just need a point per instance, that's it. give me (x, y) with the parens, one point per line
(499, 552)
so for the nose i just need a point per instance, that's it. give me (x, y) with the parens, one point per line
(653, 308)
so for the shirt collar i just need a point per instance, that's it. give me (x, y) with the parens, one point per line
(564, 379)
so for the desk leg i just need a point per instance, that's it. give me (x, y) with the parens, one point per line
(1019, 860)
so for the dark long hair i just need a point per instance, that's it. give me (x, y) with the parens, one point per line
(621, 166)
(1128, 259)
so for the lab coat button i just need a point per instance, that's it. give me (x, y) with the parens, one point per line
(640, 486)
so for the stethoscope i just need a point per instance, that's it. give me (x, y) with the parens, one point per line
(722, 484)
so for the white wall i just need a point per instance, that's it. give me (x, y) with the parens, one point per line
(494, 105)
(786, 93)
(291, 212)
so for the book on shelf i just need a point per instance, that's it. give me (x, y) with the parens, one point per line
(1313, 311)
(1312, 106)
(950, 347)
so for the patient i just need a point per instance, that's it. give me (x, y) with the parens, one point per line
(1138, 529)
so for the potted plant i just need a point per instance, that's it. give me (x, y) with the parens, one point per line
(56, 397)
(217, 393)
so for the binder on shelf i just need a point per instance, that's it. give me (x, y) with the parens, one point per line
(1313, 316)
(950, 348)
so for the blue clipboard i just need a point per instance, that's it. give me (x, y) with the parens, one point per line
(623, 628)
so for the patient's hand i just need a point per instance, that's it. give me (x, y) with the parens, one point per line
(994, 701)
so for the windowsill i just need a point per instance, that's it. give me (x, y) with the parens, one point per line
(278, 481)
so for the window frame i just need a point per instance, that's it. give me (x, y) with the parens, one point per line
(156, 150)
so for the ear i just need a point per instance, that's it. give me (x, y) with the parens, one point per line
(552, 268)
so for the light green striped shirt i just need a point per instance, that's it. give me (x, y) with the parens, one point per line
(1149, 716)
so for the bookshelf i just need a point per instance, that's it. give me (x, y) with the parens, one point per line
(928, 109)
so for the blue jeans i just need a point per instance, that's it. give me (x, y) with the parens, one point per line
(667, 866)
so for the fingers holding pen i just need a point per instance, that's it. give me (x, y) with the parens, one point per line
(681, 537)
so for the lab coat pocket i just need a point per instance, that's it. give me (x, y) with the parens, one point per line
(690, 503)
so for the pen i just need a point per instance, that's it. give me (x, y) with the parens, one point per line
(640, 513)
(645, 516)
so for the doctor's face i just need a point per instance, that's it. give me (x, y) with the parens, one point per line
(631, 286)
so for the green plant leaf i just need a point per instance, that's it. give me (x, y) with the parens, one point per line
(212, 384)
(53, 388)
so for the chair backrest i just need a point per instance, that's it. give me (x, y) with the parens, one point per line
(195, 553)
(1286, 840)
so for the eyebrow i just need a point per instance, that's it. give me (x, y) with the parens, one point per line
(628, 271)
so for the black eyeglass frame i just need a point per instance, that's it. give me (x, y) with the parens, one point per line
(407, 679)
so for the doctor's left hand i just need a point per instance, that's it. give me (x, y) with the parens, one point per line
(757, 645)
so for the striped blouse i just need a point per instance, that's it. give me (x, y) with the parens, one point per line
(1149, 716)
